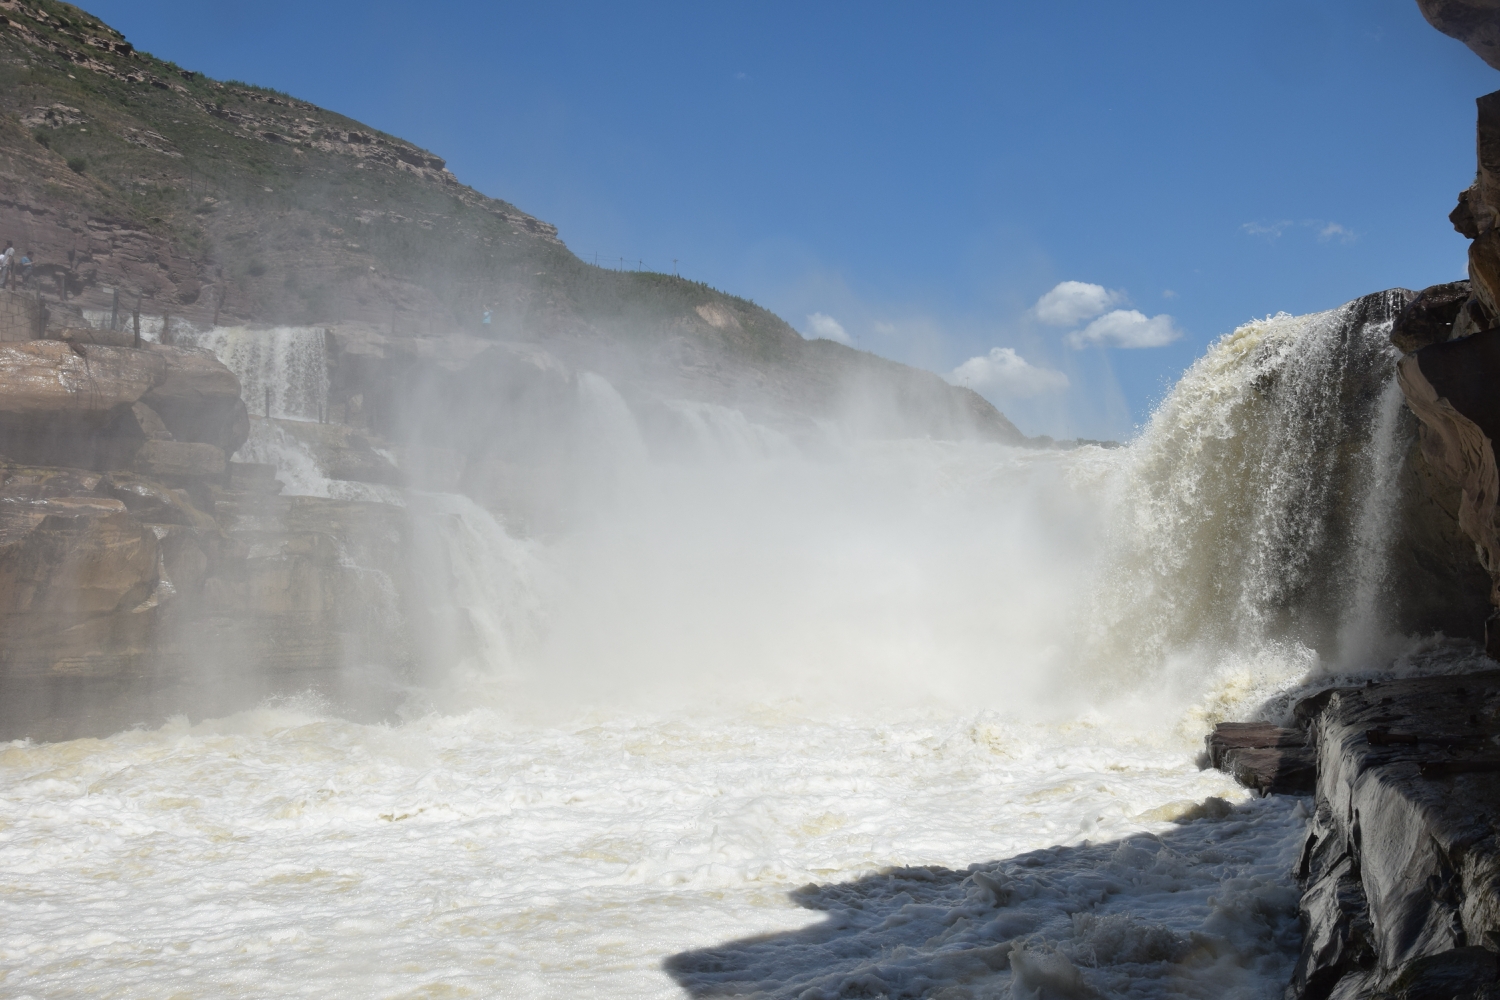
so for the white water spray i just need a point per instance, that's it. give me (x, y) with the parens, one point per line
(733, 677)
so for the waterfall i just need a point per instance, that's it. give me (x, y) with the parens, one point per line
(610, 431)
(722, 433)
(1248, 523)
(482, 588)
(283, 367)
(1253, 514)
(627, 738)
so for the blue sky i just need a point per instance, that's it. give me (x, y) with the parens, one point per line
(917, 177)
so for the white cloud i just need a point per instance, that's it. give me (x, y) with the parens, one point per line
(1127, 328)
(1168, 294)
(821, 326)
(1332, 230)
(1006, 373)
(1070, 302)
(1326, 229)
(1270, 230)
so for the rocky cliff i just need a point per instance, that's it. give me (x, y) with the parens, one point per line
(141, 186)
(1451, 334)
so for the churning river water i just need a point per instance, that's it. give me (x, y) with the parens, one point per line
(912, 719)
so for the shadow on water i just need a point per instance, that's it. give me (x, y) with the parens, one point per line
(1206, 909)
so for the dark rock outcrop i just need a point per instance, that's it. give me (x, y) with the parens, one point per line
(1476, 23)
(1402, 863)
(1428, 319)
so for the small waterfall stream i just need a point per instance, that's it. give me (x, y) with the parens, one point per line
(283, 369)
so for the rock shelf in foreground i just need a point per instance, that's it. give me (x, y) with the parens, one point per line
(1401, 869)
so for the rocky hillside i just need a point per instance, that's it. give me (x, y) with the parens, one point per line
(222, 202)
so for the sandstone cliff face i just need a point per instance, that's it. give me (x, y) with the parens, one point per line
(141, 573)
(1452, 334)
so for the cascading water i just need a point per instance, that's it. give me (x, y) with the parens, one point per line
(737, 676)
(283, 369)
(723, 433)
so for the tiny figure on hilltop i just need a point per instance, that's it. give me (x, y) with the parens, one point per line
(486, 320)
(26, 262)
(7, 261)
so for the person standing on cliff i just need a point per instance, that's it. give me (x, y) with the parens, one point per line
(26, 263)
(7, 259)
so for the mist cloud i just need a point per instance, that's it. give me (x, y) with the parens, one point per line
(821, 326)
(1003, 372)
(1127, 328)
(1071, 302)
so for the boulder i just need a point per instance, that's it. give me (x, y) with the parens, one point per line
(254, 477)
(1262, 756)
(71, 558)
(1476, 23)
(71, 404)
(153, 502)
(150, 422)
(1428, 319)
(198, 398)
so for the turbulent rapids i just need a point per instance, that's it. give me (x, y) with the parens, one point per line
(781, 717)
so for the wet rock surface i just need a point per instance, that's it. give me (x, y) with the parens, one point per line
(1401, 868)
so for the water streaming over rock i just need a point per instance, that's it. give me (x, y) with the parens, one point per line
(988, 666)
(283, 368)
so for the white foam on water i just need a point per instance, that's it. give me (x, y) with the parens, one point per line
(285, 852)
(298, 470)
(988, 666)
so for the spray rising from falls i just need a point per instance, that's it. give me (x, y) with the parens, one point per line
(741, 668)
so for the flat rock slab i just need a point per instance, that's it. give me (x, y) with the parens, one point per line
(1229, 736)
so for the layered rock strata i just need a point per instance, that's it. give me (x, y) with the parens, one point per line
(142, 573)
(1267, 758)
